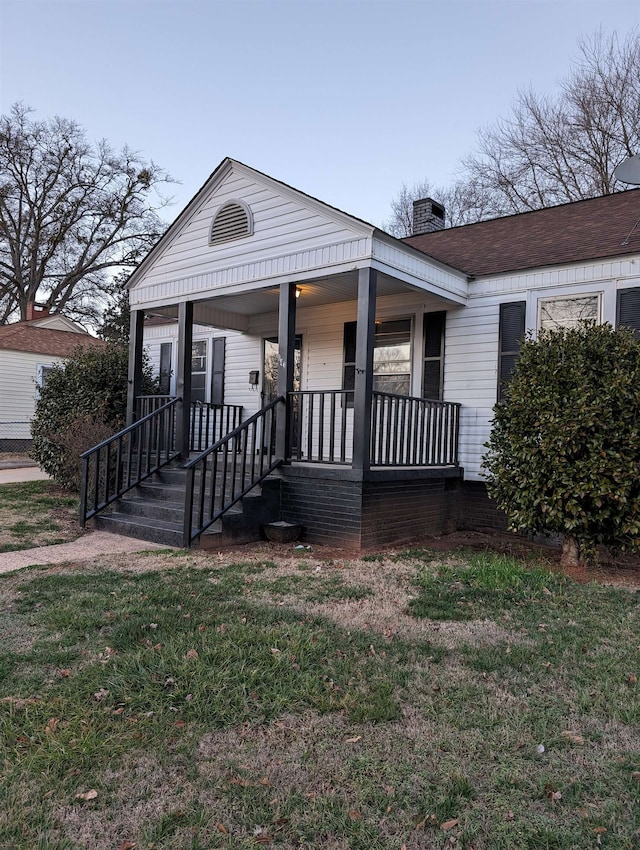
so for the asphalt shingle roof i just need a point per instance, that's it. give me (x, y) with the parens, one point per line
(598, 228)
(23, 336)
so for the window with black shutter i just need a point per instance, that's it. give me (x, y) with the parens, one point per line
(512, 327)
(628, 312)
(217, 370)
(391, 358)
(433, 367)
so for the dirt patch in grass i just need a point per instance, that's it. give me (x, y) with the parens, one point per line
(36, 513)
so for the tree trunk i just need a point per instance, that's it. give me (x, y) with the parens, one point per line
(570, 553)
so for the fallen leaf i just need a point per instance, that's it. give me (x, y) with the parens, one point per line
(65, 673)
(50, 728)
(180, 724)
(275, 650)
(127, 845)
(87, 795)
(354, 815)
(632, 678)
(636, 775)
(222, 828)
(449, 824)
(599, 830)
(101, 694)
(192, 653)
(353, 740)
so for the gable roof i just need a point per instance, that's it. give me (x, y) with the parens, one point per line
(598, 228)
(24, 336)
(224, 168)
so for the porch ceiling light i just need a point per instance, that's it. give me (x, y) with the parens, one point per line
(298, 291)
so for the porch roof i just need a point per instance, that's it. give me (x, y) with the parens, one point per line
(314, 245)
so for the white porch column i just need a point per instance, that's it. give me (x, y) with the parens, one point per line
(363, 387)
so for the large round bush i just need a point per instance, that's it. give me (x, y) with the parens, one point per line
(564, 452)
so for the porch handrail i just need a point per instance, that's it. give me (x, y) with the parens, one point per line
(412, 431)
(123, 460)
(226, 471)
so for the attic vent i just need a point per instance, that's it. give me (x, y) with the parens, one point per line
(232, 221)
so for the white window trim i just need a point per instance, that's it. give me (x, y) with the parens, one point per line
(40, 372)
(568, 296)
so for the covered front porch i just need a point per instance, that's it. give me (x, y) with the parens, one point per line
(351, 440)
(355, 389)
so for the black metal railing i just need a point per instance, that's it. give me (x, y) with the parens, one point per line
(409, 431)
(146, 404)
(209, 423)
(319, 426)
(124, 460)
(405, 431)
(229, 469)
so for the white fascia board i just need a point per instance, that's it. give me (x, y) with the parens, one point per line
(360, 228)
(165, 298)
(394, 258)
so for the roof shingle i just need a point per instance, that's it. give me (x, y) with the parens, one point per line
(594, 229)
(23, 336)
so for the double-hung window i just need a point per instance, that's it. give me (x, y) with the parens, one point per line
(391, 357)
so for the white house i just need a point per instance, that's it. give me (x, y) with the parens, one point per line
(386, 355)
(28, 350)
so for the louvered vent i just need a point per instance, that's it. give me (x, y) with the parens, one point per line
(232, 221)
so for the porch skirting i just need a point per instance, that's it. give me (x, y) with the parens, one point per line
(359, 511)
(345, 507)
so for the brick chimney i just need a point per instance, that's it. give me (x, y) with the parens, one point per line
(428, 215)
(34, 312)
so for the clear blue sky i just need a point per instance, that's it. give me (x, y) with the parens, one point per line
(344, 100)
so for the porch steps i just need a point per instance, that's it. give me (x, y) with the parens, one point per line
(154, 511)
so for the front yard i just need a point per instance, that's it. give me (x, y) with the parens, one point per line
(416, 699)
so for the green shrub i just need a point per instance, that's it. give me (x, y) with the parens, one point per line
(564, 452)
(83, 402)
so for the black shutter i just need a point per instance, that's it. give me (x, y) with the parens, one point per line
(512, 327)
(628, 312)
(217, 370)
(164, 379)
(349, 372)
(433, 366)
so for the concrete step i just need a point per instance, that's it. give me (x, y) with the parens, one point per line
(157, 531)
(154, 511)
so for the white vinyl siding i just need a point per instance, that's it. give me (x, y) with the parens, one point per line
(19, 387)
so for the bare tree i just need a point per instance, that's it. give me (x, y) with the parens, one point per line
(70, 213)
(553, 150)
(463, 202)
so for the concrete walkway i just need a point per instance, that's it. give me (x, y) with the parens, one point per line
(16, 475)
(88, 546)
(85, 547)
(15, 470)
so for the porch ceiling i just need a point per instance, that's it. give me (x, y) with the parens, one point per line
(315, 292)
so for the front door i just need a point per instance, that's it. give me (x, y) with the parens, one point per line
(270, 361)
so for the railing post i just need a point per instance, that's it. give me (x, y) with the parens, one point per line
(83, 491)
(188, 508)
